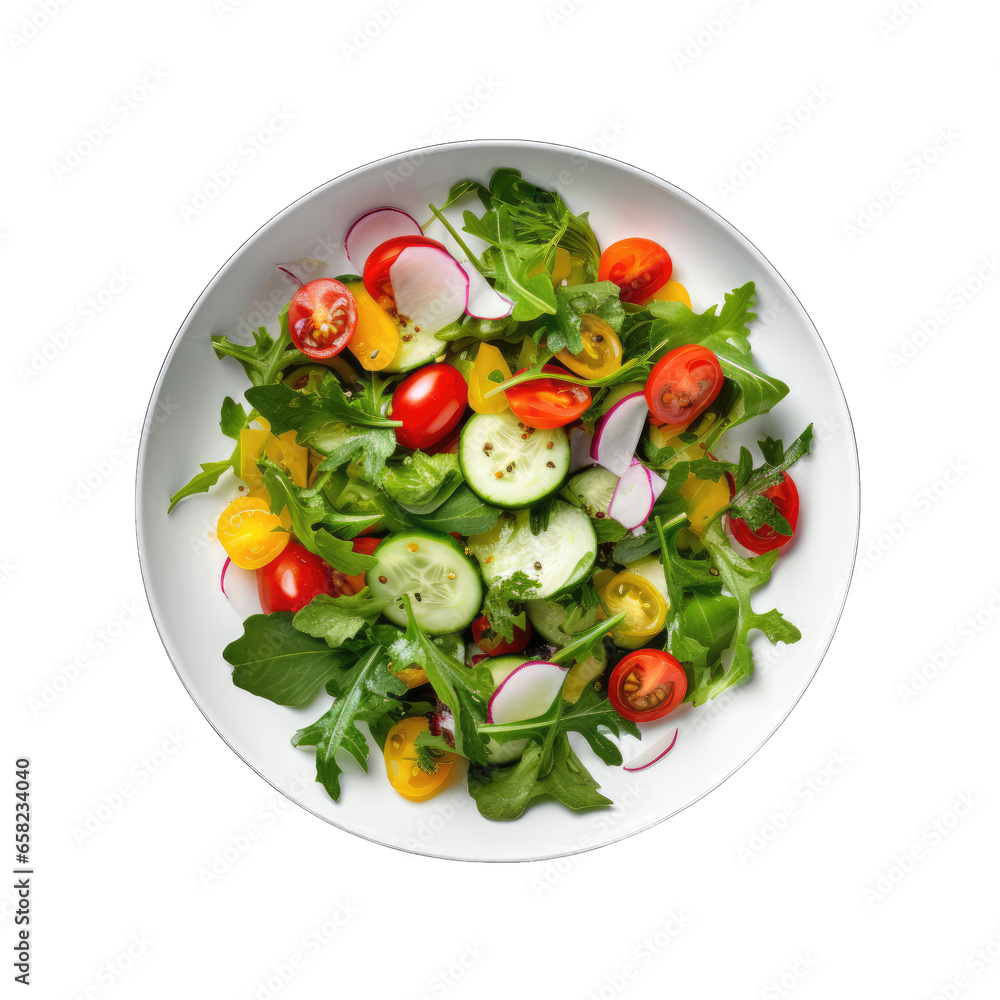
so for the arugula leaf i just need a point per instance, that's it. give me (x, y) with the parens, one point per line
(584, 641)
(234, 418)
(710, 621)
(353, 691)
(338, 427)
(541, 217)
(502, 598)
(274, 660)
(735, 315)
(265, 358)
(307, 509)
(336, 619)
(523, 225)
(202, 482)
(422, 482)
(573, 302)
(463, 512)
(464, 690)
(308, 412)
(588, 716)
(506, 792)
(232, 421)
(540, 515)
(749, 501)
(741, 577)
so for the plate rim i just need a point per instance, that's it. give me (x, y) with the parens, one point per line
(498, 144)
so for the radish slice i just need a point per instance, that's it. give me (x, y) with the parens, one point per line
(430, 287)
(618, 433)
(633, 498)
(484, 301)
(580, 442)
(294, 277)
(240, 588)
(373, 229)
(658, 484)
(656, 752)
(527, 692)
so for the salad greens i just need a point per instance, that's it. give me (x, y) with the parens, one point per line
(386, 637)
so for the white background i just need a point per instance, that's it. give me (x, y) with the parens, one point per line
(877, 880)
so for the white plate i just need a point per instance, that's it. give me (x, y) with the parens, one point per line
(181, 562)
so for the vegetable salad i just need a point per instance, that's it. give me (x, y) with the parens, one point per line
(477, 488)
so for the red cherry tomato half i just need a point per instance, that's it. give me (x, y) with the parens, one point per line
(294, 578)
(647, 685)
(548, 402)
(446, 446)
(376, 273)
(785, 497)
(495, 645)
(683, 384)
(637, 266)
(430, 402)
(322, 316)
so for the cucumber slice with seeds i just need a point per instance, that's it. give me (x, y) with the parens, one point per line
(445, 590)
(558, 557)
(510, 465)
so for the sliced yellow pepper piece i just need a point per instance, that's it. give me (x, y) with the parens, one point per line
(282, 449)
(489, 371)
(376, 338)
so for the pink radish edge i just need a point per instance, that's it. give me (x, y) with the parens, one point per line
(629, 508)
(290, 275)
(481, 292)
(654, 749)
(618, 433)
(430, 286)
(540, 679)
(222, 579)
(386, 222)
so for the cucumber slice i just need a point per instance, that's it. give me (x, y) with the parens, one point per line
(443, 583)
(505, 753)
(503, 666)
(618, 393)
(558, 558)
(509, 465)
(420, 349)
(592, 490)
(557, 624)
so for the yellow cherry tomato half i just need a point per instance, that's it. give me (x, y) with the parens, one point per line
(602, 350)
(375, 341)
(644, 606)
(705, 498)
(672, 291)
(246, 531)
(401, 767)
(488, 371)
